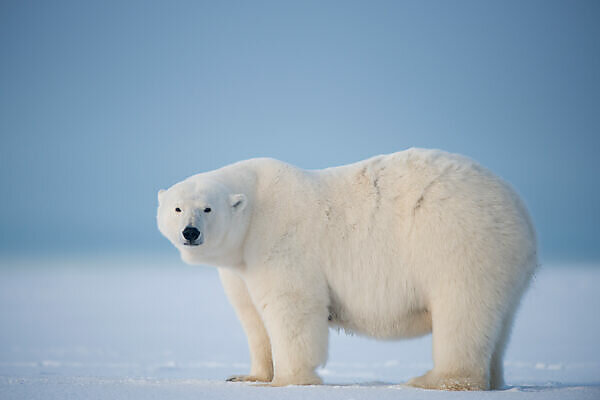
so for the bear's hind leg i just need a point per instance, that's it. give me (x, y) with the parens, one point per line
(497, 363)
(465, 331)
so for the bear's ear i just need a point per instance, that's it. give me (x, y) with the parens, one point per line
(238, 201)
(161, 193)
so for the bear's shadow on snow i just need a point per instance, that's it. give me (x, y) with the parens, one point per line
(550, 386)
(364, 384)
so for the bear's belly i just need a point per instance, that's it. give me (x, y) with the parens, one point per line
(386, 320)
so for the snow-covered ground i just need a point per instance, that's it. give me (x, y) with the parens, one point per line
(154, 328)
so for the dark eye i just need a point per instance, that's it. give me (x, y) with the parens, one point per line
(207, 210)
(178, 209)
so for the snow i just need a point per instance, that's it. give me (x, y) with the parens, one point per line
(140, 327)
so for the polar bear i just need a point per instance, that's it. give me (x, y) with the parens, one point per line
(394, 246)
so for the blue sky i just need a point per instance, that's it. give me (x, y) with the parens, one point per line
(104, 103)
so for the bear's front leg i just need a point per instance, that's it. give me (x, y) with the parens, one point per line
(294, 311)
(261, 369)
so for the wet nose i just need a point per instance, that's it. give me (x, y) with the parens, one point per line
(190, 233)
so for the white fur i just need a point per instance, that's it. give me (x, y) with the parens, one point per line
(387, 247)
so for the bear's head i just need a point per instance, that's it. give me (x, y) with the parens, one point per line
(204, 220)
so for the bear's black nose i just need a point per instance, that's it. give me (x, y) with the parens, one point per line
(190, 233)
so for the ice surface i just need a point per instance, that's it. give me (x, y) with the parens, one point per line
(141, 327)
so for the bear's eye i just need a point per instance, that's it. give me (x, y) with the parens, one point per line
(207, 210)
(178, 209)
